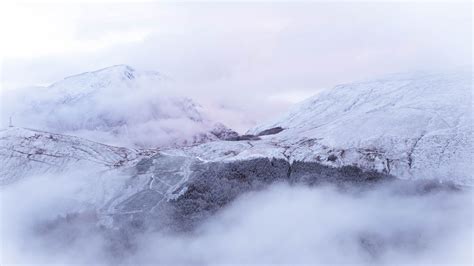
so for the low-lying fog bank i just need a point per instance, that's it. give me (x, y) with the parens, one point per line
(386, 224)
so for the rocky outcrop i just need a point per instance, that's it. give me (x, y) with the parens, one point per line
(270, 131)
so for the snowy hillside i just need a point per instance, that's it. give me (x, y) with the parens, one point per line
(410, 126)
(406, 125)
(25, 152)
(117, 105)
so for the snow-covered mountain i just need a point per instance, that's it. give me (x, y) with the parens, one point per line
(27, 152)
(117, 105)
(167, 189)
(408, 126)
(411, 126)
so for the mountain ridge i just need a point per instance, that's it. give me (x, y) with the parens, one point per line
(116, 105)
(410, 120)
(413, 126)
(336, 138)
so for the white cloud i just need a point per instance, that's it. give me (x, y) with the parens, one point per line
(33, 31)
(280, 225)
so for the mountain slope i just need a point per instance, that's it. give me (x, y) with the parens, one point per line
(353, 136)
(406, 125)
(25, 152)
(410, 126)
(117, 105)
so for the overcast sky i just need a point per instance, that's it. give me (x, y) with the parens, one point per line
(251, 60)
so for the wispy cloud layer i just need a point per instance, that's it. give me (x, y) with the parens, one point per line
(237, 55)
(282, 224)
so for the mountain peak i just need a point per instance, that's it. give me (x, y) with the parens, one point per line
(117, 105)
(112, 76)
(119, 66)
(123, 70)
(112, 72)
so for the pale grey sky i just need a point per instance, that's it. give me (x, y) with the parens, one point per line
(248, 60)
